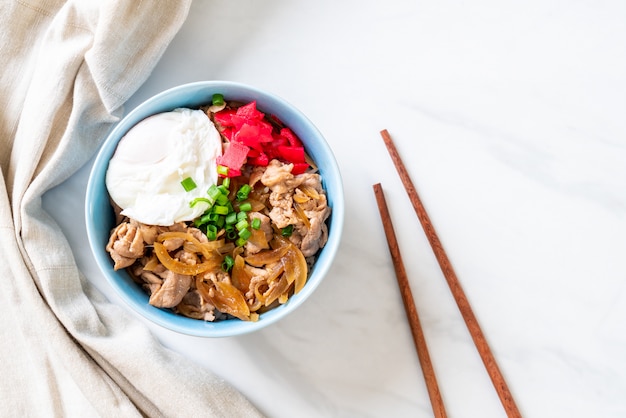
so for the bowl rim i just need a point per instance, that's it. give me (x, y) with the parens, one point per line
(166, 318)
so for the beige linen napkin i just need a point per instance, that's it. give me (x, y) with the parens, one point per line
(67, 68)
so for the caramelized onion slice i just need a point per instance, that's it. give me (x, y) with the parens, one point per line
(177, 234)
(230, 300)
(258, 238)
(301, 198)
(260, 290)
(301, 214)
(212, 245)
(283, 298)
(211, 250)
(277, 290)
(190, 239)
(225, 297)
(181, 268)
(295, 268)
(226, 248)
(266, 256)
(152, 263)
(309, 191)
(275, 270)
(310, 161)
(274, 279)
(240, 276)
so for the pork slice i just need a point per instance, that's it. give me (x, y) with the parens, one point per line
(194, 306)
(266, 228)
(187, 257)
(282, 213)
(198, 234)
(318, 233)
(172, 244)
(151, 288)
(125, 245)
(150, 277)
(259, 277)
(177, 227)
(148, 232)
(255, 175)
(215, 277)
(313, 180)
(297, 235)
(278, 177)
(128, 242)
(311, 241)
(121, 262)
(317, 211)
(174, 288)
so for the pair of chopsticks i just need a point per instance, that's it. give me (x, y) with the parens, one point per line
(455, 287)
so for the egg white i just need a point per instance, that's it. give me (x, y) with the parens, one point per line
(145, 173)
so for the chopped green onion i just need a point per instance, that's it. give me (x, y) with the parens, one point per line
(188, 184)
(242, 224)
(221, 217)
(202, 220)
(231, 218)
(287, 231)
(242, 193)
(214, 192)
(222, 200)
(245, 207)
(211, 232)
(200, 199)
(244, 233)
(223, 189)
(218, 99)
(228, 263)
(220, 210)
(213, 216)
(222, 170)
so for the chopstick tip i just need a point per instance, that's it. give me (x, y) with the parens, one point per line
(378, 189)
(386, 138)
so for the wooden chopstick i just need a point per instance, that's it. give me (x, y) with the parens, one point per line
(409, 307)
(462, 302)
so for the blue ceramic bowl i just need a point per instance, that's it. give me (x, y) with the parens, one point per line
(100, 218)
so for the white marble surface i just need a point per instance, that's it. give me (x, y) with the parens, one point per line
(511, 117)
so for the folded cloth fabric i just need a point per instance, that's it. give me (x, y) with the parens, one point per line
(67, 68)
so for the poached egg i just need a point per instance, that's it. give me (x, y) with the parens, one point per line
(153, 158)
